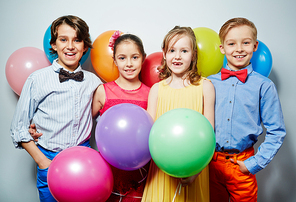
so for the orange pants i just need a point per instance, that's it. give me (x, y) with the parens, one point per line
(228, 182)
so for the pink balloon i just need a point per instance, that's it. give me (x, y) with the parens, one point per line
(80, 174)
(21, 64)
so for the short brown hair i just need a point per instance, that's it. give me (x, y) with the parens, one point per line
(236, 22)
(79, 25)
(178, 31)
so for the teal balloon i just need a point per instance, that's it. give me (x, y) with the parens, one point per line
(182, 142)
(261, 60)
(47, 46)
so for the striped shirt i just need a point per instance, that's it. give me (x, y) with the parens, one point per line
(61, 111)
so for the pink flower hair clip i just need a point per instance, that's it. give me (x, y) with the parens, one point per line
(113, 39)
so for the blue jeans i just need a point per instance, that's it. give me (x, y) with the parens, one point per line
(44, 193)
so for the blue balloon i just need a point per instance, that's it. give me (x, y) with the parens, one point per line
(261, 60)
(47, 46)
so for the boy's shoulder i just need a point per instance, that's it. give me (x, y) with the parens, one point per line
(43, 71)
(259, 76)
(86, 72)
(215, 76)
(91, 76)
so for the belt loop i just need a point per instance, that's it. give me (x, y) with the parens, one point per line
(235, 159)
(215, 156)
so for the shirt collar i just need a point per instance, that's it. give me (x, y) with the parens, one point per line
(249, 68)
(56, 67)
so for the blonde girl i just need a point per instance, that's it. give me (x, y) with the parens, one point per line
(181, 87)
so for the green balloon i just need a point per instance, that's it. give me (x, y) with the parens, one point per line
(182, 142)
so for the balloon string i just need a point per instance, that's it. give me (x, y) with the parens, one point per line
(178, 190)
(124, 195)
(143, 177)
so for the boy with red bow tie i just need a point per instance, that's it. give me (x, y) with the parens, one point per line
(244, 99)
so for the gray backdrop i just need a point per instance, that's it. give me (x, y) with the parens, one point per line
(23, 24)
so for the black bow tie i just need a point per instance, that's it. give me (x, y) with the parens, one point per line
(64, 76)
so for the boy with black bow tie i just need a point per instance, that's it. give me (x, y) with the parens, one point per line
(58, 100)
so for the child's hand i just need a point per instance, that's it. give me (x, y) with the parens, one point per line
(242, 166)
(33, 132)
(187, 181)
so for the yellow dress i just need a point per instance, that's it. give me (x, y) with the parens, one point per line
(161, 187)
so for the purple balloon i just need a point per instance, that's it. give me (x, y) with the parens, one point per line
(122, 136)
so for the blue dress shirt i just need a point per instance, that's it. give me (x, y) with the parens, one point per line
(61, 111)
(239, 111)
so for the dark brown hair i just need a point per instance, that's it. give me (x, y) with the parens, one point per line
(133, 38)
(79, 25)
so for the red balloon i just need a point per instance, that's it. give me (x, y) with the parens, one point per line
(21, 64)
(149, 72)
(80, 174)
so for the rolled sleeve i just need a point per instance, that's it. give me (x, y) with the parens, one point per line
(252, 165)
(24, 112)
(20, 136)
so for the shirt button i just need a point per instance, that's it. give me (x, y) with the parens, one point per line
(230, 101)
(227, 141)
(228, 119)
(232, 84)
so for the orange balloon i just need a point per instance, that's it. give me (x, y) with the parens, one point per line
(101, 57)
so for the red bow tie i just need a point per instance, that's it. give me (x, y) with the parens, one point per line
(241, 75)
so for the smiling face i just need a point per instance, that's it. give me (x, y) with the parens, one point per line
(179, 55)
(68, 47)
(238, 47)
(129, 60)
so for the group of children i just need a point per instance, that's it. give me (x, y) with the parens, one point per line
(62, 99)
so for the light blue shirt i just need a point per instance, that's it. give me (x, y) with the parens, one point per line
(61, 111)
(239, 111)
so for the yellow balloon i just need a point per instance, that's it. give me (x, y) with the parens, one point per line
(209, 57)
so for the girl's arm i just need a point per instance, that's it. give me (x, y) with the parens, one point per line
(209, 101)
(98, 100)
(152, 101)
